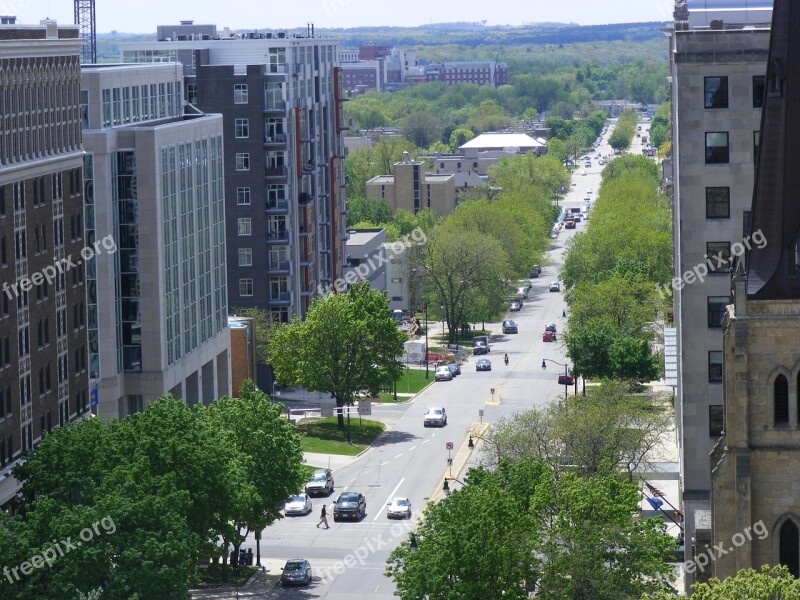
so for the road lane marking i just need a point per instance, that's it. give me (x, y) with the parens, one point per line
(412, 448)
(385, 463)
(391, 495)
(426, 441)
(398, 456)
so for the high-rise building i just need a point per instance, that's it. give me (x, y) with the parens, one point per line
(154, 198)
(43, 320)
(756, 463)
(280, 97)
(718, 61)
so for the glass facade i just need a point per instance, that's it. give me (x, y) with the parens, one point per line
(91, 266)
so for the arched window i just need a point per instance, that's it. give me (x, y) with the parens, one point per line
(780, 396)
(789, 548)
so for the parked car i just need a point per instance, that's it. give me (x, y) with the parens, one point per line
(483, 364)
(436, 416)
(569, 225)
(456, 370)
(299, 504)
(510, 327)
(515, 306)
(555, 286)
(549, 336)
(296, 571)
(399, 508)
(481, 347)
(443, 373)
(320, 483)
(564, 379)
(550, 327)
(350, 505)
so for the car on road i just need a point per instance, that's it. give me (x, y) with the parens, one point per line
(564, 379)
(515, 306)
(299, 504)
(569, 225)
(443, 373)
(320, 483)
(549, 336)
(296, 571)
(435, 416)
(350, 505)
(510, 327)
(483, 364)
(398, 508)
(550, 327)
(454, 368)
(481, 347)
(555, 286)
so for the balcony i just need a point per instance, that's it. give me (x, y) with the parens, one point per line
(275, 106)
(278, 237)
(276, 173)
(277, 206)
(305, 231)
(308, 136)
(280, 298)
(308, 168)
(279, 139)
(277, 267)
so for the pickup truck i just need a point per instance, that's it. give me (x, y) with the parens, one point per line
(482, 342)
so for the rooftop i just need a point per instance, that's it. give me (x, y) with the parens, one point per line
(502, 140)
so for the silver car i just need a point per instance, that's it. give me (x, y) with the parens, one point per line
(299, 504)
(443, 373)
(399, 508)
(435, 417)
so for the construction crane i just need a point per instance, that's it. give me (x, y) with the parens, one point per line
(87, 26)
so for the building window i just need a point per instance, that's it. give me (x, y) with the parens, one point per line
(716, 309)
(245, 226)
(240, 93)
(245, 287)
(715, 366)
(756, 145)
(715, 420)
(242, 128)
(718, 203)
(718, 257)
(780, 399)
(242, 161)
(243, 196)
(245, 257)
(716, 92)
(717, 150)
(759, 84)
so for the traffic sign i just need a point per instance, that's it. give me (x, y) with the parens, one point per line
(449, 445)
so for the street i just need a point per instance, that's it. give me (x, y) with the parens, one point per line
(348, 560)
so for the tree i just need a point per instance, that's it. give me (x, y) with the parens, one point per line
(459, 137)
(363, 210)
(255, 428)
(348, 345)
(769, 583)
(422, 129)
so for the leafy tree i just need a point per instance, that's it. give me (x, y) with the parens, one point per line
(375, 211)
(459, 137)
(348, 345)
(422, 129)
(557, 148)
(769, 583)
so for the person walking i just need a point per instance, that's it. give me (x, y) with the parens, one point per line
(323, 517)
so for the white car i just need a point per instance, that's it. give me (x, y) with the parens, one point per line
(299, 504)
(435, 416)
(443, 373)
(555, 286)
(398, 508)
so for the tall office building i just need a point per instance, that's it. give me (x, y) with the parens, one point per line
(154, 194)
(718, 62)
(43, 326)
(280, 97)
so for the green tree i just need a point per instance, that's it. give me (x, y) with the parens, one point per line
(769, 583)
(363, 210)
(348, 345)
(459, 137)
(422, 129)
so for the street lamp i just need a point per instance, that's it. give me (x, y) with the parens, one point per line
(446, 486)
(566, 373)
(427, 373)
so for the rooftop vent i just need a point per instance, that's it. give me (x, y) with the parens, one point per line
(8, 20)
(187, 22)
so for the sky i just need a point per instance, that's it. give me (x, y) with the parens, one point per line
(142, 16)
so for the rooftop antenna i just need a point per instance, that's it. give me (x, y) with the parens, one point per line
(87, 25)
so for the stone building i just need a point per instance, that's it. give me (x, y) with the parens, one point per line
(755, 466)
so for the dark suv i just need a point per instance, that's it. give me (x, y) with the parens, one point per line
(320, 483)
(350, 505)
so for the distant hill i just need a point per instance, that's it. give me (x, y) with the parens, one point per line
(438, 34)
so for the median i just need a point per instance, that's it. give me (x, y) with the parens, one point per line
(323, 436)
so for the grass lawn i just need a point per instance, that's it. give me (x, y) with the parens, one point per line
(410, 382)
(212, 576)
(323, 435)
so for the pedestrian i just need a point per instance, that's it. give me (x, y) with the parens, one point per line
(323, 517)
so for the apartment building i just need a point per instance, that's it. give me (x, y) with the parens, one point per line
(44, 377)
(280, 97)
(718, 62)
(413, 190)
(154, 202)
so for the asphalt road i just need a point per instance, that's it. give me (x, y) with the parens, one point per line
(348, 560)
